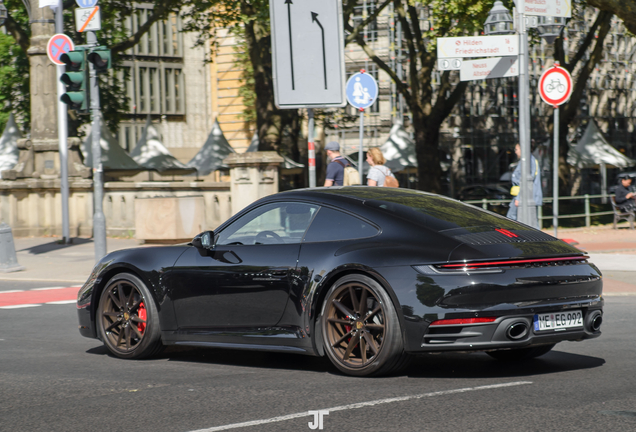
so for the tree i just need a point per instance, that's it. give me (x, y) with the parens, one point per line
(14, 77)
(14, 67)
(429, 105)
(278, 129)
(624, 9)
(580, 66)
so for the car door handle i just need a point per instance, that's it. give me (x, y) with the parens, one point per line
(279, 273)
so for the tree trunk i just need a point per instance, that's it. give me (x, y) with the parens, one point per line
(272, 124)
(426, 138)
(569, 110)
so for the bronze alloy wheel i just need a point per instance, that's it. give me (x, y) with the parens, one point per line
(360, 327)
(125, 314)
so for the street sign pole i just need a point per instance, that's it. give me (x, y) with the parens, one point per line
(360, 151)
(528, 213)
(62, 132)
(99, 220)
(555, 174)
(555, 88)
(361, 91)
(311, 149)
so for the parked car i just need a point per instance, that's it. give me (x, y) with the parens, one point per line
(364, 276)
(489, 191)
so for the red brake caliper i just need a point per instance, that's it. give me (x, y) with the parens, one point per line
(348, 328)
(141, 313)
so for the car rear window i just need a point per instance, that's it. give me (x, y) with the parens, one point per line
(333, 225)
(436, 212)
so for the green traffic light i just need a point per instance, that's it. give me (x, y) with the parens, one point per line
(74, 60)
(101, 58)
(73, 79)
(76, 81)
(75, 100)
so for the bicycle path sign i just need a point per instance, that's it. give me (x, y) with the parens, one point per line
(555, 86)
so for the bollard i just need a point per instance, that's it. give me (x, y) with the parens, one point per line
(588, 219)
(8, 259)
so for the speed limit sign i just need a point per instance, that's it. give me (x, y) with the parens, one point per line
(555, 86)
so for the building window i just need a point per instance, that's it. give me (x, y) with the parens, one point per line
(153, 71)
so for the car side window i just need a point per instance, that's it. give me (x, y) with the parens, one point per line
(330, 225)
(276, 223)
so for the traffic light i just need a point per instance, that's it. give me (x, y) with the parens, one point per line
(76, 81)
(100, 57)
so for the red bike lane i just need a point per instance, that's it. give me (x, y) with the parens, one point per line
(37, 297)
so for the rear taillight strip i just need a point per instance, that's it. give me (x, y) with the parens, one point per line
(463, 321)
(512, 262)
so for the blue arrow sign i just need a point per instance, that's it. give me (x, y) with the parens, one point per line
(86, 3)
(362, 90)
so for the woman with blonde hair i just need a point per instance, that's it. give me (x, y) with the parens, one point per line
(379, 175)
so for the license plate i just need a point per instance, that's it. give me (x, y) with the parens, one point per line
(558, 320)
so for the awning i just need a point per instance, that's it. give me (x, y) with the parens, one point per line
(115, 161)
(151, 154)
(210, 156)
(399, 149)
(593, 150)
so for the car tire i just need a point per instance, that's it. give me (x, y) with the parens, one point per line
(127, 318)
(521, 353)
(362, 338)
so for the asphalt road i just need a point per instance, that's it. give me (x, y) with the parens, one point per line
(52, 379)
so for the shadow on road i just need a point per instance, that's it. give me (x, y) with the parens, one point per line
(447, 365)
(480, 365)
(242, 358)
(55, 245)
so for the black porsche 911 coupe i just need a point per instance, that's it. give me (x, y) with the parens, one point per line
(363, 275)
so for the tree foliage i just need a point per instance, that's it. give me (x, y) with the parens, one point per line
(430, 105)
(624, 9)
(580, 64)
(14, 72)
(277, 129)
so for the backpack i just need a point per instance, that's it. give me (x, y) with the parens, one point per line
(389, 178)
(391, 181)
(351, 175)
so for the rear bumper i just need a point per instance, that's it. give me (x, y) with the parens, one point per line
(497, 335)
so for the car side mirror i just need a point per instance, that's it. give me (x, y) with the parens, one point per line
(204, 242)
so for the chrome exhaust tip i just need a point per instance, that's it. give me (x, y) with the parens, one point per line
(595, 321)
(517, 331)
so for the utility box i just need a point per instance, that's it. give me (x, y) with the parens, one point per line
(169, 219)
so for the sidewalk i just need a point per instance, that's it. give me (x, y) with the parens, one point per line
(45, 260)
(612, 251)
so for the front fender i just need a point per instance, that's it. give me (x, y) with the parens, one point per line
(149, 264)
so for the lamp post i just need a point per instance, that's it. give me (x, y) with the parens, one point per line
(499, 22)
(4, 14)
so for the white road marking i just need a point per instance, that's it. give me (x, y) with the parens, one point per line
(20, 306)
(11, 291)
(61, 302)
(362, 405)
(50, 288)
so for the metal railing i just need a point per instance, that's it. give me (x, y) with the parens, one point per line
(586, 198)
